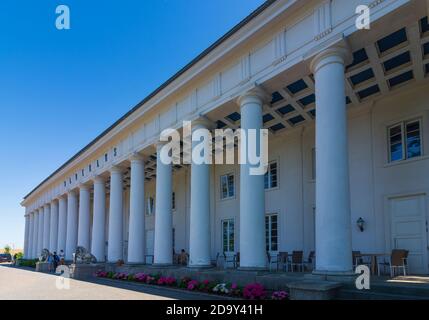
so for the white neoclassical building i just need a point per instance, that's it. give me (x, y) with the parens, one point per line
(351, 104)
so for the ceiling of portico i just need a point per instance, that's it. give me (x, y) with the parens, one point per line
(394, 53)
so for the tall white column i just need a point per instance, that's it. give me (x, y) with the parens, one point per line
(35, 246)
(72, 224)
(53, 237)
(29, 251)
(84, 217)
(40, 233)
(252, 192)
(99, 221)
(163, 247)
(136, 246)
(26, 236)
(46, 225)
(199, 230)
(115, 247)
(62, 224)
(333, 228)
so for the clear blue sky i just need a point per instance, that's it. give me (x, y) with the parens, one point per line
(60, 89)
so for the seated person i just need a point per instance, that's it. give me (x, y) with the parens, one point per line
(183, 257)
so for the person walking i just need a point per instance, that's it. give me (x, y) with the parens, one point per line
(56, 260)
(62, 257)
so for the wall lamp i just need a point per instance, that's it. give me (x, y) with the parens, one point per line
(361, 224)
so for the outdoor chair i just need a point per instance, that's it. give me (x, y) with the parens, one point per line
(231, 259)
(356, 258)
(283, 261)
(273, 259)
(297, 261)
(310, 263)
(396, 261)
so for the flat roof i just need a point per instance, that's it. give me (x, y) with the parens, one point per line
(217, 43)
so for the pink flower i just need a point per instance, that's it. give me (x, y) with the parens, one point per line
(140, 277)
(279, 295)
(234, 286)
(254, 291)
(192, 285)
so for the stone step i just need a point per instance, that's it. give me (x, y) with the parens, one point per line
(349, 294)
(397, 290)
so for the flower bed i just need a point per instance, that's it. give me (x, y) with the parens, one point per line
(252, 291)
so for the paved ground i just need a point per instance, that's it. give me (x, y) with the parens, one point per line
(24, 284)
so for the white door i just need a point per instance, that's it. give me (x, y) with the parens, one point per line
(150, 240)
(409, 231)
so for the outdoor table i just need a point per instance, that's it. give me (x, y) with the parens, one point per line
(373, 257)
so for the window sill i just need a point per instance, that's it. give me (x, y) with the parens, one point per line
(407, 161)
(227, 199)
(272, 189)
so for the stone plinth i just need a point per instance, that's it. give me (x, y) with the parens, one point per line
(84, 271)
(42, 267)
(314, 290)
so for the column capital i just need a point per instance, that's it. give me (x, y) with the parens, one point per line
(116, 169)
(46, 205)
(136, 156)
(338, 54)
(83, 186)
(71, 193)
(255, 95)
(98, 179)
(202, 123)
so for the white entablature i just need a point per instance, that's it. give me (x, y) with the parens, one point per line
(275, 39)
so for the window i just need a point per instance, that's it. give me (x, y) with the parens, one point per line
(75, 176)
(227, 186)
(98, 163)
(150, 206)
(405, 140)
(83, 172)
(271, 232)
(271, 176)
(105, 158)
(115, 152)
(173, 200)
(228, 235)
(65, 183)
(90, 168)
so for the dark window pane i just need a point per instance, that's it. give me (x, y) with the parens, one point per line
(396, 152)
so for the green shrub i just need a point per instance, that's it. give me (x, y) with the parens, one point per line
(28, 263)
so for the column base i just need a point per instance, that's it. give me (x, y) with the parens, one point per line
(336, 276)
(161, 265)
(252, 269)
(200, 267)
(134, 264)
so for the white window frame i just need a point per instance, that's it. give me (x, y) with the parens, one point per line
(228, 221)
(269, 243)
(270, 187)
(227, 175)
(403, 125)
